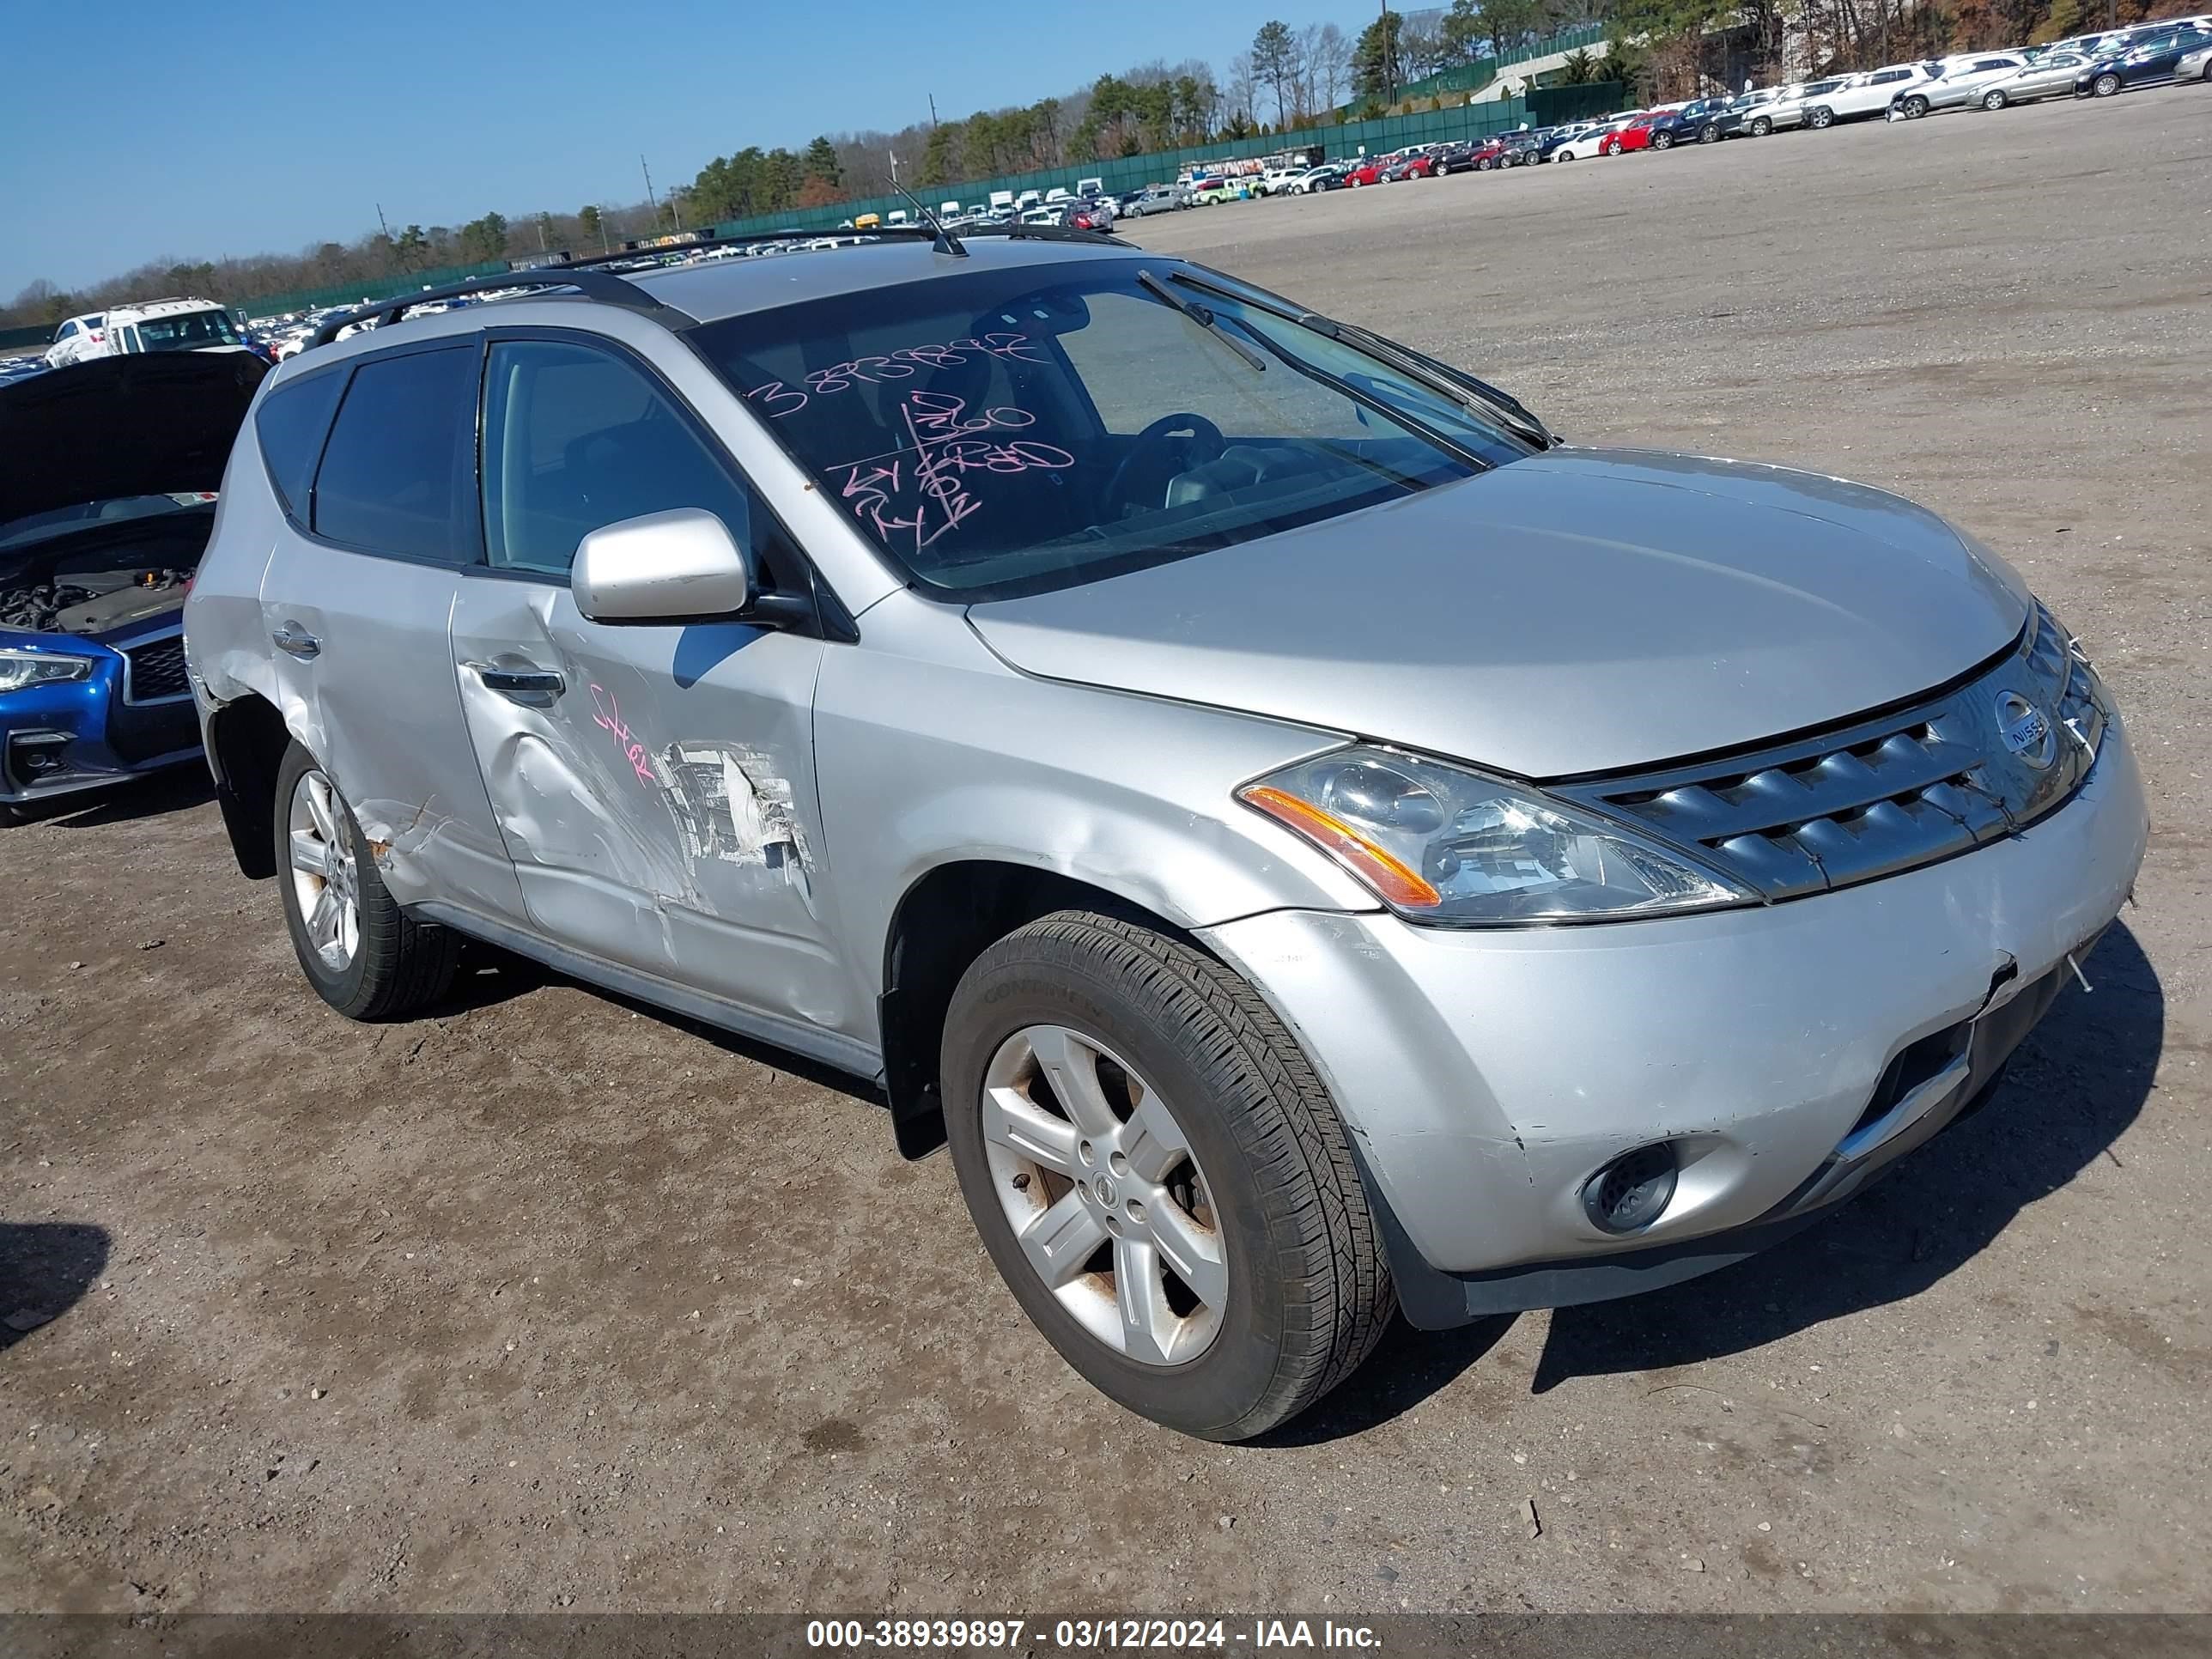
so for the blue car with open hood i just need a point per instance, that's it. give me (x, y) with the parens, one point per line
(108, 498)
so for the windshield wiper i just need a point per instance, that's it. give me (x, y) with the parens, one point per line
(1488, 402)
(1204, 318)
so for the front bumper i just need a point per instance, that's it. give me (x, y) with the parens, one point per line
(1486, 1076)
(72, 735)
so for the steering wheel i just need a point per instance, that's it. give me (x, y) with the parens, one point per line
(1177, 438)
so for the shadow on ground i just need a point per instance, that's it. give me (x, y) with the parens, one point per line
(2074, 1087)
(46, 1268)
(175, 789)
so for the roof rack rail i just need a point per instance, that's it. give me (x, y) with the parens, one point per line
(592, 279)
(603, 285)
(1018, 232)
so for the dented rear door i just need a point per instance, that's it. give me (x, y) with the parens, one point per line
(654, 783)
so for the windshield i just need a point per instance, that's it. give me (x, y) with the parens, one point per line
(1003, 432)
(187, 330)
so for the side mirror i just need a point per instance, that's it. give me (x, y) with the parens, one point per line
(661, 567)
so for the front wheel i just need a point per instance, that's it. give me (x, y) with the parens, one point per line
(1159, 1176)
(2106, 85)
(1663, 141)
(1821, 120)
(1915, 107)
(1993, 100)
(1761, 127)
(365, 956)
(1709, 135)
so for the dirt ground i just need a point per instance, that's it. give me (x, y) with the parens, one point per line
(547, 1302)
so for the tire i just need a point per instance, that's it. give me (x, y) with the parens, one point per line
(1761, 126)
(1483, 165)
(1915, 107)
(1819, 118)
(2105, 85)
(1564, 155)
(1663, 141)
(1709, 135)
(395, 963)
(1993, 100)
(1266, 1179)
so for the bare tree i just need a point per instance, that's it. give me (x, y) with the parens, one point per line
(1331, 59)
(1241, 90)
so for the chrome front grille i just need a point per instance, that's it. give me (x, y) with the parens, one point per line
(1887, 793)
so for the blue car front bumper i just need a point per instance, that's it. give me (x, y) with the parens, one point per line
(132, 714)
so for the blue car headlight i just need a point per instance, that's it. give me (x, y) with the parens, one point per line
(20, 668)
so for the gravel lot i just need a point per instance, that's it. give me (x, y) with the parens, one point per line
(547, 1302)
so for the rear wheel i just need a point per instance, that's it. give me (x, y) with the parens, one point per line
(1993, 100)
(2106, 85)
(1708, 135)
(1159, 1176)
(364, 955)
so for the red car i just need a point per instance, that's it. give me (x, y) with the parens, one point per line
(1423, 166)
(1637, 135)
(1370, 171)
(1508, 151)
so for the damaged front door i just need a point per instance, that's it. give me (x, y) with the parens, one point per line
(655, 783)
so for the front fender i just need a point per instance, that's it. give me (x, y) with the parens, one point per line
(924, 761)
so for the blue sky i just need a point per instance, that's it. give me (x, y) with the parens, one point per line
(132, 131)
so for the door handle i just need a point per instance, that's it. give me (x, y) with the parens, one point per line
(295, 641)
(519, 682)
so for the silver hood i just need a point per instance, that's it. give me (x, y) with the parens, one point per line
(1578, 611)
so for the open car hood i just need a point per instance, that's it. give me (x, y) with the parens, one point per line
(1578, 611)
(146, 425)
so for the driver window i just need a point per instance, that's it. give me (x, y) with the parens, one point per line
(576, 439)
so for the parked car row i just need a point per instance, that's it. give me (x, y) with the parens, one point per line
(2086, 66)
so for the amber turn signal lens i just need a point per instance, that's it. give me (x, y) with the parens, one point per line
(1389, 877)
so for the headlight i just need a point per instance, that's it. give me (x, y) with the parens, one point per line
(1442, 845)
(20, 668)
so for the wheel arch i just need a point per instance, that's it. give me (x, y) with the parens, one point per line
(949, 916)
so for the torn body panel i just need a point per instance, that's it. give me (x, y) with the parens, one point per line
(659, 806)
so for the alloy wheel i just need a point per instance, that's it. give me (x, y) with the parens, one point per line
(2107, 85)
(1103, 1194)
(325, 879)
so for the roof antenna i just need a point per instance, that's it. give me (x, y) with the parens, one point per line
(946, 242)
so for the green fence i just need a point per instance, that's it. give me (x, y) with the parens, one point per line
(1130, 173)
(1553, 106)
(382, 287)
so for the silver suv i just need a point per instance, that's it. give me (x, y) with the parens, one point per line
(1311, 844)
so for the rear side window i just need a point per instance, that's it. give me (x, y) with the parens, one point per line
(289, 425)
(400, 461)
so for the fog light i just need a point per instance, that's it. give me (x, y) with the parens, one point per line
(1632, 1191)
